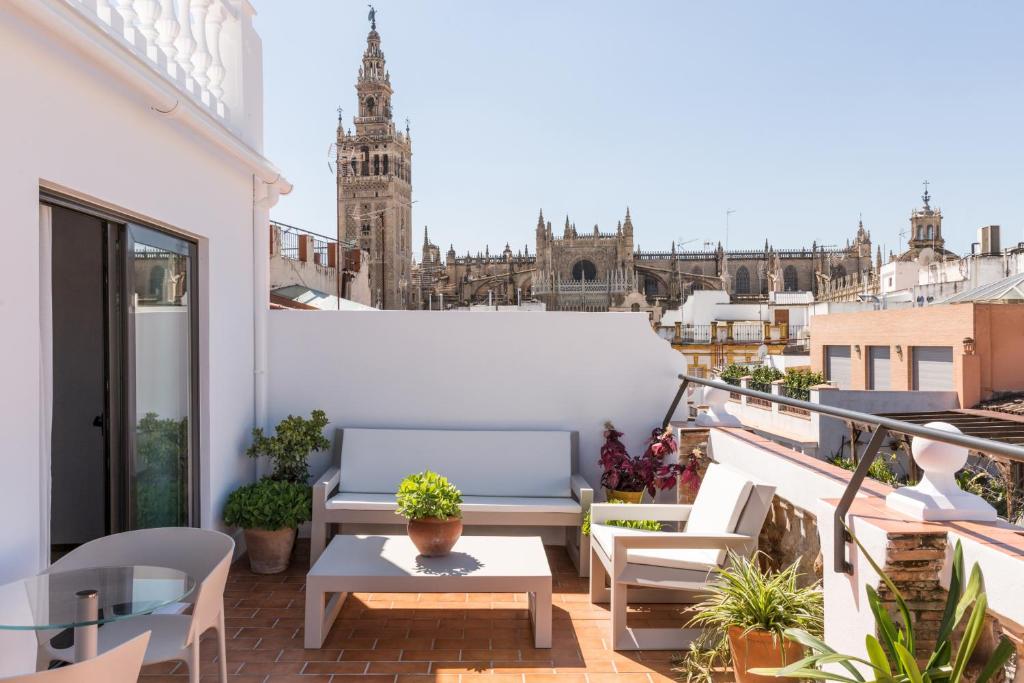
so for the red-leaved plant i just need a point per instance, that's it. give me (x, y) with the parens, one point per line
(648, 472)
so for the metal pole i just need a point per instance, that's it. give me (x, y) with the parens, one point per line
(87, 614)
(842, 536)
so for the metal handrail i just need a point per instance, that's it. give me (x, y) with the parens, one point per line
(883, 425)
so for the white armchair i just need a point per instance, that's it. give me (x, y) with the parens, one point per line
(644, 565)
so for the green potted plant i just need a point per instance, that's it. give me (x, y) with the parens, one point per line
(754, 609)
(431, 504)
(269, 510)
(891, 656)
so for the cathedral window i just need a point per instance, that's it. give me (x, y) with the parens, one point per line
(743, 280)
(386, 156)
(584, 270)
(650, 286)
(376, 164)
(928, 234)
(365, 228)
(366, 160)
(789, 282)
(371, 106)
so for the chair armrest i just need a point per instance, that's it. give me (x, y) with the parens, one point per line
(678, 540)
(324, 486)
(581, 490)
(659, 512)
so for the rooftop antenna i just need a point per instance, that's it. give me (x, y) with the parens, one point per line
(728, 212)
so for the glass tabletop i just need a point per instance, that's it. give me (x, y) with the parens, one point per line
(50, 601)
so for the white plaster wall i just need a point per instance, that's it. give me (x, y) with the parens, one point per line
(569, 371)
(286, 271)
(699, 306)
(66, 122)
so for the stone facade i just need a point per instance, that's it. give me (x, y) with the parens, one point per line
(597, 271)
(374, 173)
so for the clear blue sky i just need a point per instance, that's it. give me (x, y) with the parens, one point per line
(798, 115)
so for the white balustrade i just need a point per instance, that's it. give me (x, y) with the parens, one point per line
(186, 40)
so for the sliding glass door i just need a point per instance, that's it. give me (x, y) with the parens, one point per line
(124, 435)
(160, 391)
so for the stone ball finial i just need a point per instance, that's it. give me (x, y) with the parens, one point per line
(717, 415)
(938, 460)
(938, 497)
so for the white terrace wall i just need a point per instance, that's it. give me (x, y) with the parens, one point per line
(70, 122)
(569, 371)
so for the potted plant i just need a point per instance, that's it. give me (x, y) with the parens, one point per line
(431, 503)
(892, 655)
(754, 609)
(625, 477)
(269, 511)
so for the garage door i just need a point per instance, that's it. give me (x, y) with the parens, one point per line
(837, 365)
(933, 368)
(878, 368)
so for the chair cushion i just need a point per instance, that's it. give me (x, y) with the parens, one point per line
(678, 558)
(386, 502)
(480, 463)
(719, 504)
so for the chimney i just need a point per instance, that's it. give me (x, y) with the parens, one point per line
(988, 238)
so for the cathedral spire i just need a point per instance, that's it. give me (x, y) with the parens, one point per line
(426, 238)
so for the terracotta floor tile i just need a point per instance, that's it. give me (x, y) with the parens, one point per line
(425, 638)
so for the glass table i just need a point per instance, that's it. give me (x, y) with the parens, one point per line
(83, 599)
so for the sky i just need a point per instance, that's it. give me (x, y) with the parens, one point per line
(798, 116)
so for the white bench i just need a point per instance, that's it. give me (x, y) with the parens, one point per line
(507, 478)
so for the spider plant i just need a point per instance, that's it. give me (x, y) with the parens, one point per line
(753, 600)
(891, 655)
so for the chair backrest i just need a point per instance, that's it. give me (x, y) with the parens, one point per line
(721, 501)
(203, 554)
(120, 664)
(480, 463)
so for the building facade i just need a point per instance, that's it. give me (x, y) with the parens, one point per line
(599, 270)
(374, 174)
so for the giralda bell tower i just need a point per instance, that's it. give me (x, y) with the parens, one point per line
(375, 182)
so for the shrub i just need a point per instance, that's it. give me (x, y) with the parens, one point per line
(765, 375)
(798, 382)
(645, 524)
(879, 470)
(269, 504)
(294, 439)
(428, 494)
(732, 373)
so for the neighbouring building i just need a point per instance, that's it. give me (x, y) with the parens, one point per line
(974, 349)
(311, 271)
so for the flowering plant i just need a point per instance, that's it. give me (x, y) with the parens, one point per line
(648, 472)
(690, 476)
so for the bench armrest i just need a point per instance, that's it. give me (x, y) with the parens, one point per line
(659, 512)
(581, 488)
(324, 486)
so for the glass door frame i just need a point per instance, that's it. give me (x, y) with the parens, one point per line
(119, 424)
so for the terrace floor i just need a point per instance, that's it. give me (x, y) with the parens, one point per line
(410, 638)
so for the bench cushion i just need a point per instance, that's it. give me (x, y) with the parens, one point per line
(678, 558)
(524, 464)
(385, 502)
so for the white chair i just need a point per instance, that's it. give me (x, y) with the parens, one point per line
(203, 554)
(728, 513)
(121, 664)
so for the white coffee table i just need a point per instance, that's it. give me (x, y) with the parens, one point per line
(391, 564)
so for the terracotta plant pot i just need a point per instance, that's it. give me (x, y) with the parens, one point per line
(757, 649)
(269, 551)
(624, 496)
(434, 537)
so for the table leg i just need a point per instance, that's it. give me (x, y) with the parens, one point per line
(540, 615)
(321, 610)
(86, 610)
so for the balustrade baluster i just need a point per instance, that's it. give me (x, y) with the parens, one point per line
(201, 55)
(214, 23)
(126, 8)
(185, 43)
(146, 12)
(167, 30)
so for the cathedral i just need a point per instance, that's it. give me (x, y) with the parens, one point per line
(568, 269)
